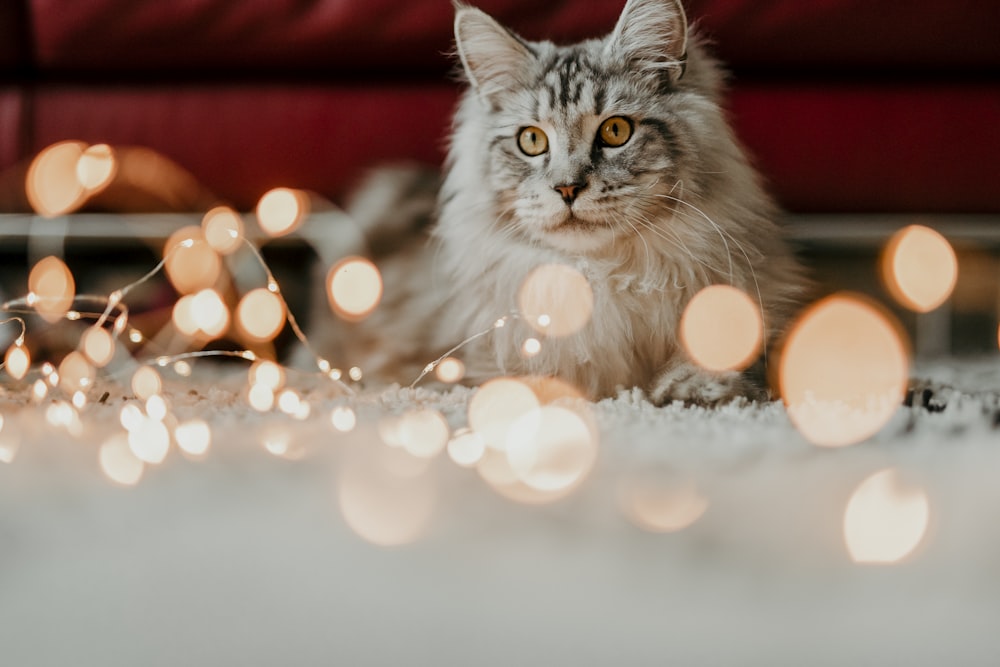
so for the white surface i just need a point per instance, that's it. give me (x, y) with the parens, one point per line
(245, 558)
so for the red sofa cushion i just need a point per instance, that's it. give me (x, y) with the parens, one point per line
(846, 148)
(13, 35)
(11, 126)
(348, 37)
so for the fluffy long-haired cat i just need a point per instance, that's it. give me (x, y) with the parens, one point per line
(612, 156)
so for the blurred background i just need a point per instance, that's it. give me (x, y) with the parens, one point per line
(864, 117)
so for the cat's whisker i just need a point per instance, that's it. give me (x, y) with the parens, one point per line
(676, 241)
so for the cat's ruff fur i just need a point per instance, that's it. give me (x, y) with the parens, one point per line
(675, 209)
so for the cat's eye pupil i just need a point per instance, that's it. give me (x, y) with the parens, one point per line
(615, 131)
(532, 141)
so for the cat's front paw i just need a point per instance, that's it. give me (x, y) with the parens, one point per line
(696, 386)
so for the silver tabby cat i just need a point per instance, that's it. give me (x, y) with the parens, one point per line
(612, 156)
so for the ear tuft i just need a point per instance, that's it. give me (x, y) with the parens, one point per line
(493, 57)
(652, 35)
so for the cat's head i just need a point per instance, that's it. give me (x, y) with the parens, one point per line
(584, 141)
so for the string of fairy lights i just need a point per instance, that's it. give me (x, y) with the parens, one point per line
(531, 439)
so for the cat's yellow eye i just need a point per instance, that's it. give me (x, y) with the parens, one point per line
(532, 141)
(615, 131)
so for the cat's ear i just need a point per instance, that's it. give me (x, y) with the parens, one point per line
(651, 35)
(493, 57)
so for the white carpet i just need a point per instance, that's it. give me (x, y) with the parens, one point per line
(246, 558)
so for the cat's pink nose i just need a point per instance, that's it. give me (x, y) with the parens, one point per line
(570, 192)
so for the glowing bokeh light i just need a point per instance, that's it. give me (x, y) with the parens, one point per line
(75, 373)
(558, 295)
(156, 407)
(223, 230)
(721, 329)
(289, 401)
(466, 448)
(98, 345)
(843, 371)
(119, 463)
(261, 315)
(531, 347)
(17, 361)
(146, 382)
(10, 442)
(919, 268)
(423, 433)
(183, 317)
(51, 288)
(39, 390)
(281, 210)
(885, 521)
(260, 397)
(149, 440)
(354, 288)
(79, 400)
(191, 263)
(267, 373)
(130, 416)
(343, 418)
(450, 370)
(660, 503)
(61, 414)
(193, 437)
(496, 405)
(551, 449)
(494, 468)
(209, 313)
(382, 508)
(96, 167)
(52, 184)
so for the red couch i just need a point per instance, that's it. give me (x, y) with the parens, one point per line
(848, 105)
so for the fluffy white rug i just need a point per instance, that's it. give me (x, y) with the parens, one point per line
(254, 555)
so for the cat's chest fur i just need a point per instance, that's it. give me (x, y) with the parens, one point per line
(635, 305)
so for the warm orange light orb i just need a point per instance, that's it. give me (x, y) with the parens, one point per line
(884, 520)
(210, 313)
(551, 449)
(450, 370)
(182, 317)
(919, 268)
(17, 361)
(423, 433)
(343, 418)
(383, 508)
(466, 448)
(268, 374)
(193, 437)
(96, 167)
(556, 300)
(354, 288)
(51, 288)
(261, 314)
(52, 185)
(496, 405)
(658, 503)
(191, 263)
(98, 345)
(119, 463)
(75, 373)
(146, 382)
(281, 210)
(721, 329)
(223, 229)
(843, 371)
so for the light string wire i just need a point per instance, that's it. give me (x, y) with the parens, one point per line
(24, 306)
